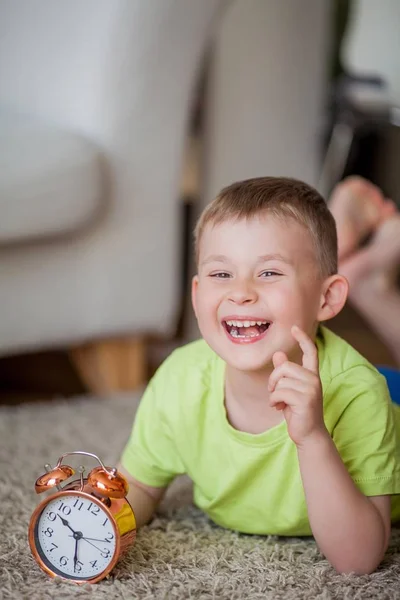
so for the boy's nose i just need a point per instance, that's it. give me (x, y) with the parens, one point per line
(243, 294)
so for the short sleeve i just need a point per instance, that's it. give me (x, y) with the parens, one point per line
(365, 433)
(150, 455)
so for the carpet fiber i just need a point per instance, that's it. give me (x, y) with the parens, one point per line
(181, 554)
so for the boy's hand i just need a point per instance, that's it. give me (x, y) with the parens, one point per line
(297, 390)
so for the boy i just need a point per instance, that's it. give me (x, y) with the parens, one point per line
(282, 426)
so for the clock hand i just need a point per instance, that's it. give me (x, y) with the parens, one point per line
(76, 553)
(94, 546)
(65, 522)
(96, 540)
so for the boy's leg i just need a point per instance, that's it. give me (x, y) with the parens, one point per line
(360, 209)
(372, 275)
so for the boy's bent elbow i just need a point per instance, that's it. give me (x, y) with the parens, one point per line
(362, 563)
(361, 546)
(357, 568)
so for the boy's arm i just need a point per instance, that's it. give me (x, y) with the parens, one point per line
(144, 499)
(151, 453)
(351, 530)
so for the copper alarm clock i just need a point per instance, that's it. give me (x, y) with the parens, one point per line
(81, 530)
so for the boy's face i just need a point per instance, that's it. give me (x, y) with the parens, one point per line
(256, 279)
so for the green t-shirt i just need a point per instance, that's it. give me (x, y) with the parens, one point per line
(251, 482)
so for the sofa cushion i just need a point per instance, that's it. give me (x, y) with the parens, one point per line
(50, 180)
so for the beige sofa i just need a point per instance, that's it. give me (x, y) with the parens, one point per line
(95, 97)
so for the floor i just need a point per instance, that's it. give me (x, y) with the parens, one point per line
(180, 554)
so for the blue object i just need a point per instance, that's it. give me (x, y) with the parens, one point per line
(393, 381)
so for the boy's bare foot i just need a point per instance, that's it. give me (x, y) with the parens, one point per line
(375, 267)
(359, 207)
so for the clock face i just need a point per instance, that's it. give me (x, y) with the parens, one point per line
(75, 537)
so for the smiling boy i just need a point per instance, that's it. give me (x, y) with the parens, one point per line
(282, 426)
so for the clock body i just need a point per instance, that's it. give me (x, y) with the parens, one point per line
(77, 535)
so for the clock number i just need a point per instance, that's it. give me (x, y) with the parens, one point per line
(106, 553)
(78, 566)
(63, 561)
(109, 537)
(105, 521)
(95, 510)
(54, 546)
(76, 502)
(52, 516)
(48, 532)
(64, 508)
(93, 563)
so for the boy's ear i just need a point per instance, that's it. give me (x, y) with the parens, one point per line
(195, 284)
(333, 297)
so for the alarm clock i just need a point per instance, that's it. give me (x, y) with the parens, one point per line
(83, 527)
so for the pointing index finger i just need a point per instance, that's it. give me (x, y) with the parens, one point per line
(310, 353)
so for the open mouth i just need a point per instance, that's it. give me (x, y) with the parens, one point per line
(246, 330)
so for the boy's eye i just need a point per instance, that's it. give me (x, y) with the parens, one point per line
(225, 275)
(220, 275)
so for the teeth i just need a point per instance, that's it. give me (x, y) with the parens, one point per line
(245, 323)
(234, 333)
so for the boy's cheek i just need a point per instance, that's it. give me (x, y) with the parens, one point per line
(203, 311)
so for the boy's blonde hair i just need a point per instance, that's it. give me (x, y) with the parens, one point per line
(283, 198)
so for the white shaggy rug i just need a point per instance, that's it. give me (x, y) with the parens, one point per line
(181, 554)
